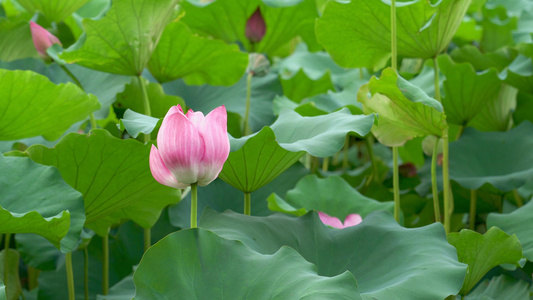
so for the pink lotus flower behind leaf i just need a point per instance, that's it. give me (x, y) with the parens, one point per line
(42, 39)
(351, 220)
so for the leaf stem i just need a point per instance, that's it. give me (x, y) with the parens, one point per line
(147, 238)
(436, 80)
(247, 204)
(345, 152)
(518, 199)
(396, 183)
(369, 142)
(247, 129)
(70, 276)
(194, 205)
(394, 54)
(448, 208)
(146, 100)
(78, 83)
(473, 205)
(7, 238)
(434, 187)
(105, 266)
(86, 272)
(33, 274)
(325, 164)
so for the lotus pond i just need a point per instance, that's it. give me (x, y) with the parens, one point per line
(266, 149)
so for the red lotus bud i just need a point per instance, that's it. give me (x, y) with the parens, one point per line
(255, 27)
(407, 170)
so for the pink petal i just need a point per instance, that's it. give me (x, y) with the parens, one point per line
(329, 220)
(197, 118)
(161, 172)
(42, 39)
(352, 220)
(181, 147)
(216, 141)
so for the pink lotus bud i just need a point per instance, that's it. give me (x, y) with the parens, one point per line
(42, 39)
(351, 220)
(407, 170)
(255, 27)
(191, 148)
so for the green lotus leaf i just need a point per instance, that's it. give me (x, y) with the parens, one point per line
(15, 40)
(196, 263)
(378, 251)
(123, 40)
(300, 86)
(500, 287)
(483, 61)
(54, 10)
(13, 279)
(182, 54)
(112, 174)
(135, 123)
(404, 110)
(35, 199)
(497, 115)
(484, 252)
(39, 107)
(423, 30)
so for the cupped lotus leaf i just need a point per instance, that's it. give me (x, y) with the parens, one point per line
(404, 110)
(466, 92)
(135, 123)
(500, 287)
(112, 174)
(35, 199)
(31, 105)
(517, 223)
(123, 40)
(256, 160)
(484, 252)
(334, 196)
(53, 10)
(473, 163)
(182, 54)
(198, 264)
(378, 251)
(498, 114)
(299, 86)
(357, 33)
(226, 20)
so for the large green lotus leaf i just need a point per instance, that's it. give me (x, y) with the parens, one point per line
(198, 264)
(497, 115)
(473, 163)
(300, 86)
(379, 252)
(123, 290)
(423, 30)
(500, 287)
(483, 61)
(54, 10)
(404, 110)
(135, 123)
(334, 196)
(517, 223)
(112, 174)
(15, 40)
(484, 252)
(31, 105)
(257, 162)
(123, 40)
(498, 29)
(226, 20)
(35, 199)
(519, 74)
(182, 54)
(466, 92)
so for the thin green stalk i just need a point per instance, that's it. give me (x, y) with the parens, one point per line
(345, 152)
(78, 83)
(105, 266)
(369, 142)
(314, 164)
(394, 54)
(460, 132)
(307, 161)
(518, 199)
(473, 205)
(247, 129)
(361, 74)
(70, 276)
(146, 101)
(448, 208)
(7, 238)
(86, 272)
(434, 188)
(147, 238)
(436, 80)
(247, 204)
(33, 274)
(325, 164)
(336, 159)
(194, 205)
(396, 183)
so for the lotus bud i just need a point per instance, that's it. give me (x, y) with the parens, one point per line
(42, 39)
(255, 27)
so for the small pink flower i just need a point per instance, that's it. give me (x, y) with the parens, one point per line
(255, 27)
(191, 148)
(351, 220)
(42, 39)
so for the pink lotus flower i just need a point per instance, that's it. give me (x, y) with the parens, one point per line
(42, 39)
(351, 220)
(255, 27)
(191, 148)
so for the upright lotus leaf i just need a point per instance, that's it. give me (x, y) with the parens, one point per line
(112, 174)
(357, 33)
(123, 40)
(517, 223)
(334, 196)
(378, 251)
(15, 40)
(35, 199)
(483, 61)
(300, 86)
(12, 272)
(226, 20)
(519, 74)
(502, 159)
(484, 252)
(31, 105)
(54, 10)
(135, 123)
(497, 115)
(404, 110)
(182, 54)
(500, 287)
(498, 29)
(198, 264)
(466, 92)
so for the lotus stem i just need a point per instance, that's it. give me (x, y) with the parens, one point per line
(86, 272)
(247, 129)
(436, 80)
(434, 187)
(396, 183)
(369, 142)
(194, 205)
(70, 276)
(325, 164)
(146, 100)
(518, 199)
(345, 149)
(394, 54)
(105, 266)
(247, 204)
(7, 238)
(473, 204)
(147, 238)
(448, 208)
